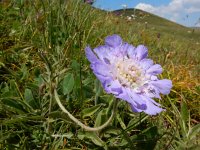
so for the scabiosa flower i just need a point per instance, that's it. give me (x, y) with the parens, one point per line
(127, 73)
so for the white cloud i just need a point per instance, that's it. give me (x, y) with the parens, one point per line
(192, 6)
(174, 10)
(192, 10)
(197, 24)
(169, 10)
(146, 7)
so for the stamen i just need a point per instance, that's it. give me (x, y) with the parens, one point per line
(128, 77)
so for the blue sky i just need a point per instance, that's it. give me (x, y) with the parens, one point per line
(185, 12)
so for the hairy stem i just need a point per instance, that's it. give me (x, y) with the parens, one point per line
(80, 123)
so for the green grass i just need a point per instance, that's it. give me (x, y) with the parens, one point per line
(160, 25)
(42, 50)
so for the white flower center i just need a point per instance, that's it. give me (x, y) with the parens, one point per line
(129, 73)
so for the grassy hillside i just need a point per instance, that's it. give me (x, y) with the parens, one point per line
(159, 24)
(42, 61)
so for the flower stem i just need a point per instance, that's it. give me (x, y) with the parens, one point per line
(50, 105)
(80, 123)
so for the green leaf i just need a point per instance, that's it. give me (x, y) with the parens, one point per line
(24, 71)
(123, 143)
(101, 117)
(28, 96)
(5, 89)
(88, 81)
(151, 132)
(29, 99)
(92, 136)
(68, 135)
(95, 139)
(98, 90)
(184, 112)
(90, 111)
(22, 119)
(194, 131)
(13, 88)
(75, 65)
(81, 135)
(121, 122)
(39, 80)
(113, 131)
(184, 117)
(148, 138)
(68, 83)
(133, 123)
(13, 103)
(194, 147)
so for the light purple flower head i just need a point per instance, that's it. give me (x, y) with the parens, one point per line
(127, 73)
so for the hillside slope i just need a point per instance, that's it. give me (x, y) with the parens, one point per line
(158, 24)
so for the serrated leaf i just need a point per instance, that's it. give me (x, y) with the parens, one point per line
(68, 83)
(90, 111)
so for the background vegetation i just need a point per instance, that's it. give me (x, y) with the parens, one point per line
(42, 49)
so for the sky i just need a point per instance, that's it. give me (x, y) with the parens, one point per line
(184, 12)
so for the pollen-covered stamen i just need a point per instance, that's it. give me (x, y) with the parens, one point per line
(128, 73)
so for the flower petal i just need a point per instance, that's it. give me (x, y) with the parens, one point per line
(90, 55)
(100, 68)
(114, 87)
(146, 63)
(151, 91)
(141, 52)
(131, 51)
(113, 40)
(135, 109)
(125, 48)
(164, 86)
(152, 108)
(103, 79)
(155, 69)
(133, 98)
(101, 51)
